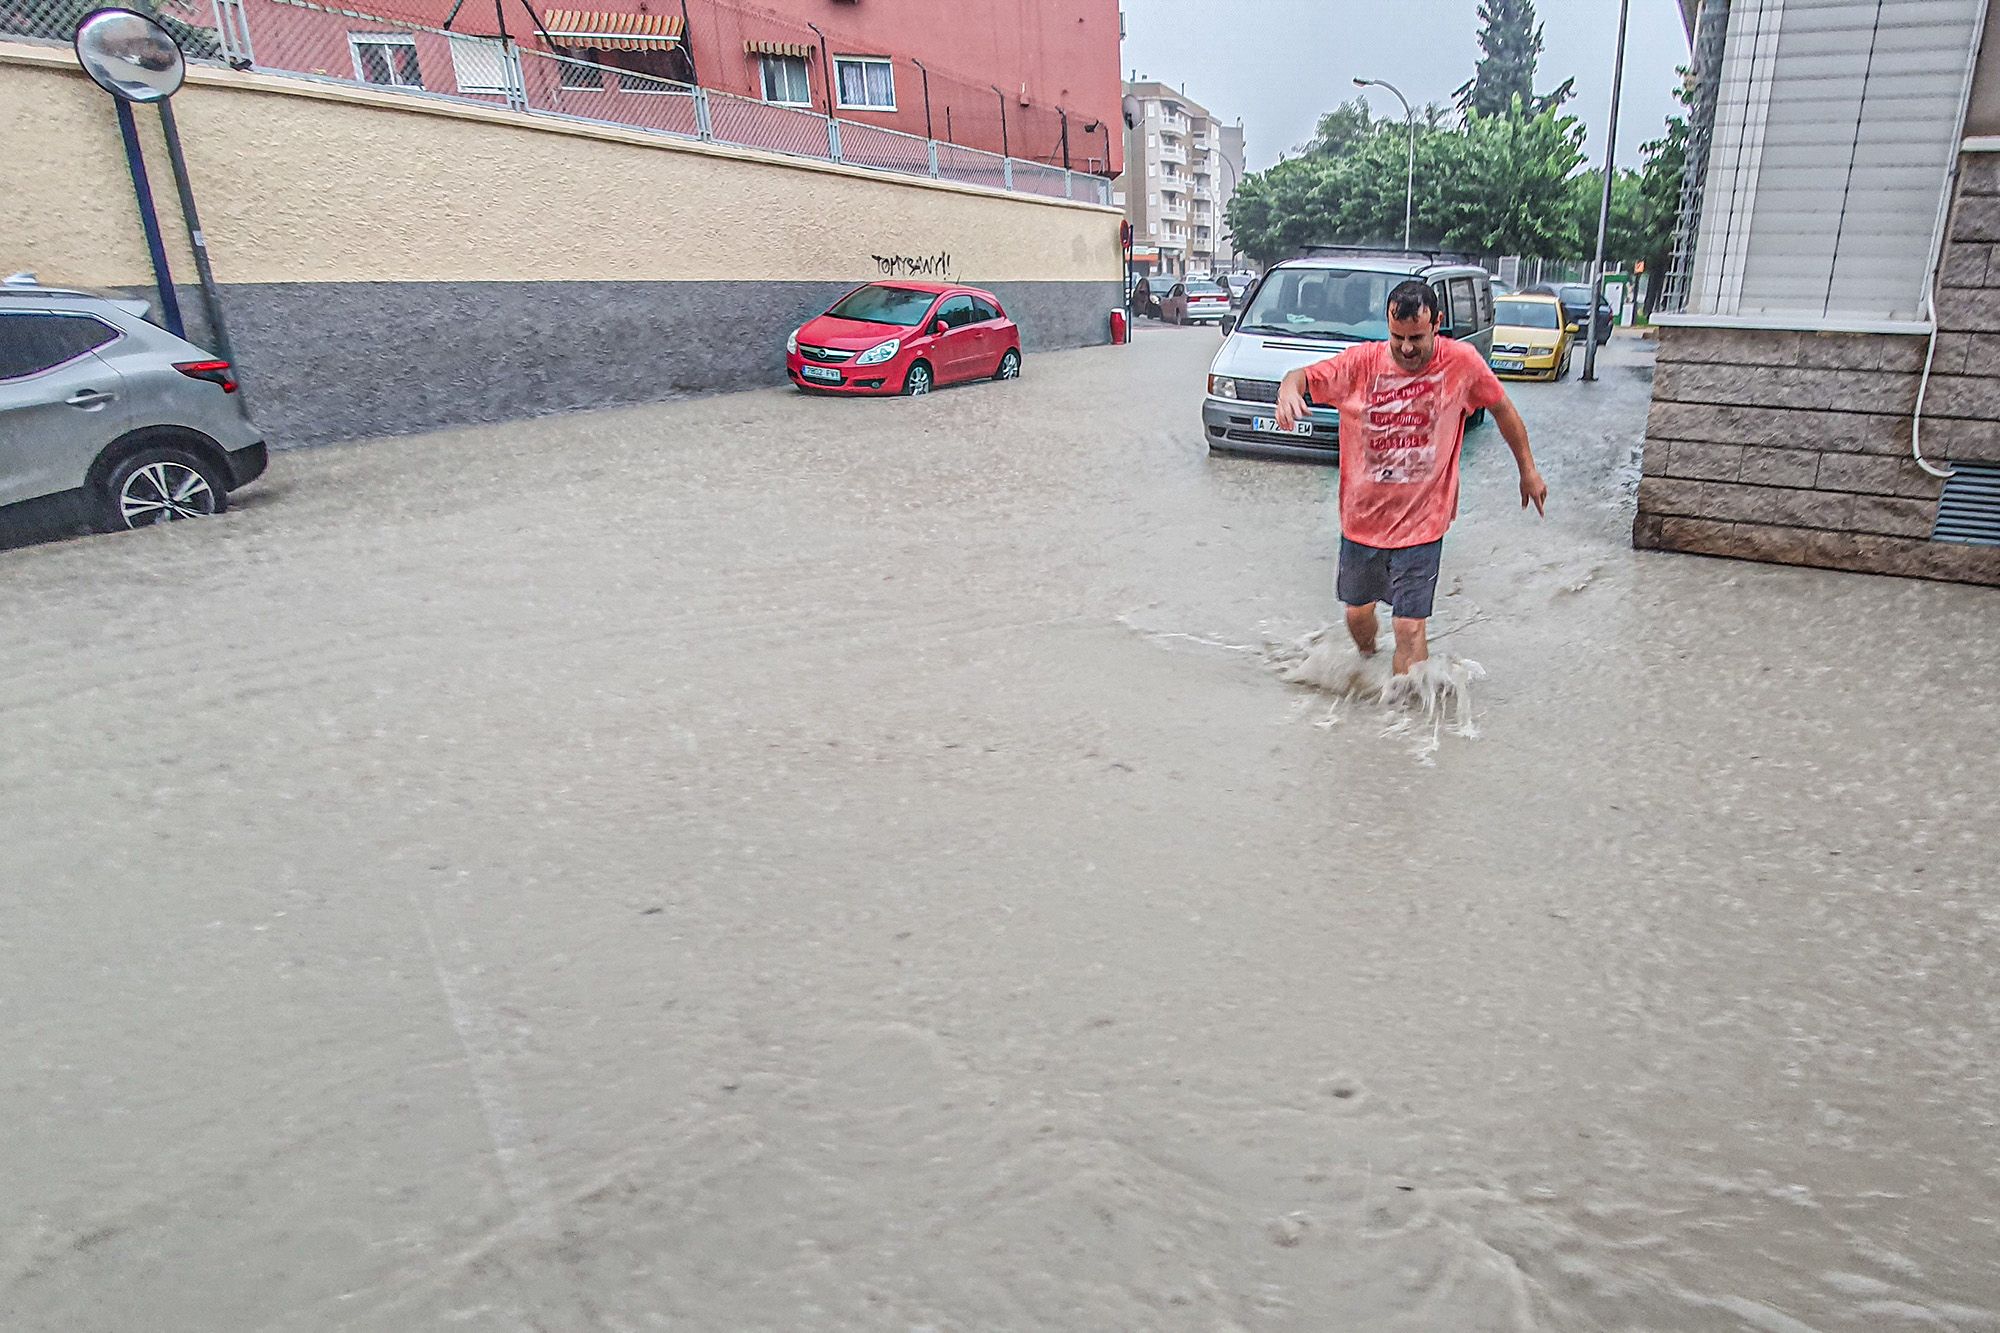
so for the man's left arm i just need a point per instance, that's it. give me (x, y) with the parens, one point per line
(1515, 432)
(1487, 392)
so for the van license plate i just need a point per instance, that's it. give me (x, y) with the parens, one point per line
(1269, 425)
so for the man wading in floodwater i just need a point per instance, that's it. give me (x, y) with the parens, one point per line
(1403, 405)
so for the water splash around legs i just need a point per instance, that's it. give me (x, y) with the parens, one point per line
(1434, 697)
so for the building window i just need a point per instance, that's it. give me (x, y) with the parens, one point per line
(480, 65)
(651, 71)
(786, 82)
(386, 58)
(866, 83)
(579, 69)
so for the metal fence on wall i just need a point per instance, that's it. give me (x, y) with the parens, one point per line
(486, 66)
(1705, 64)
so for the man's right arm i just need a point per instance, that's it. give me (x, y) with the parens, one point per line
(1292, 398)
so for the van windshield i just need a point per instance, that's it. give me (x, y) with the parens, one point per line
(1326, 303)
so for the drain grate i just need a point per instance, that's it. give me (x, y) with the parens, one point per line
(1970, 508)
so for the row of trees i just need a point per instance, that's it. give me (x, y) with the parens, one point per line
(1499, 173)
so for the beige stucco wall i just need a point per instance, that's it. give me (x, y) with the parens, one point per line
(299, 182)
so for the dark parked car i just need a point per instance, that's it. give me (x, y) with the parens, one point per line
(1147, 294)
(1575, 298)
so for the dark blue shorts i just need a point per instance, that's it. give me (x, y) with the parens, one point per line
(1406, 577)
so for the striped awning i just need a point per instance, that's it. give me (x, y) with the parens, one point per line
(611, 32)
(803, 50)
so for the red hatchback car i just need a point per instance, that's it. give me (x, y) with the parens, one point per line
(905, 337)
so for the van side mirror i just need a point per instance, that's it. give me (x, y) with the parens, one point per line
(1229, 324)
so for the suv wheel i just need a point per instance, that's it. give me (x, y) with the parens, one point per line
(162, 484)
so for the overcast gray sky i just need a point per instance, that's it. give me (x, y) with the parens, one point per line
(1279, 63)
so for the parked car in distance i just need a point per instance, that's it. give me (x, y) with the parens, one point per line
(1238, 285)
(1305, 310)
(1531, 338)
(109, 418)
(1575, 298)
(1501, 287)
(1194, 301)
(1146, 296)
(908, 338)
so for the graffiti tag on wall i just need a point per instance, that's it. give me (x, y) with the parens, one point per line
(915, 266)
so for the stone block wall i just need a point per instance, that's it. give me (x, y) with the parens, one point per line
(1795, 447)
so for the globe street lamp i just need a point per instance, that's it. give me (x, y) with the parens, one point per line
(133, 58)
(1410, 117)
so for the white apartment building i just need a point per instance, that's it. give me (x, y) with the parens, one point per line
(1181, 168)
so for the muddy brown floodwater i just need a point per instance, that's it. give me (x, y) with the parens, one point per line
(769, 863)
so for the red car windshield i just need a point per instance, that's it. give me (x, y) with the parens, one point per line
(884, 305)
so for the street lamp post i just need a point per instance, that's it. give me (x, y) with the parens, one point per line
(1235, 180)
(1410, 118)
(1604, 202)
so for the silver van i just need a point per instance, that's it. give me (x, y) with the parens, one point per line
(1305, 310)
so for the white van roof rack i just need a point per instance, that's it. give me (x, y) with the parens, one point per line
(1380, 252)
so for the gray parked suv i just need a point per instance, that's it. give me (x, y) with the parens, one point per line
(102, 411)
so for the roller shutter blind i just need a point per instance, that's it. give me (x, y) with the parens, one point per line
(1835, 129)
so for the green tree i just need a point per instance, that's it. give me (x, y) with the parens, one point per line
(1503, 185)
(1630, 234)
(1498, 185)
(1340, 130)
(1663, 164)
(1510, 44)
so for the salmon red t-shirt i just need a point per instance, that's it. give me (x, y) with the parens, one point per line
(1400, 436)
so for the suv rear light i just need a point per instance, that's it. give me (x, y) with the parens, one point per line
(215, 372)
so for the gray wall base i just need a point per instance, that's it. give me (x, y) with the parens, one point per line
(337, 361)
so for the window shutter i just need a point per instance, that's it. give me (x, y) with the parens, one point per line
(1834, 136)
(479, 64)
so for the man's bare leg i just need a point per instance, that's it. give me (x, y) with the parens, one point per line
(1413, 644)
(1362, 626)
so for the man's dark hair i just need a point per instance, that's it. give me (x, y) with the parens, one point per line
(1407, 298)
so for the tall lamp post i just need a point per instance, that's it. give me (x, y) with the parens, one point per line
(1410, 118)
(1235, 180)
(1604, 203)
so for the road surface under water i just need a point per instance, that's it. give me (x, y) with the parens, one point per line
(774, 863)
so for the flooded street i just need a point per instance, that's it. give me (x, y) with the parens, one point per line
(773, 863)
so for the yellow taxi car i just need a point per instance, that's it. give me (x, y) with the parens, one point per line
(1531, 339)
